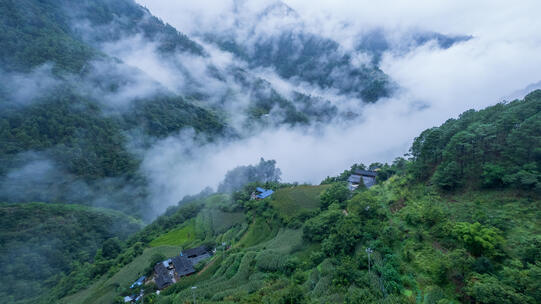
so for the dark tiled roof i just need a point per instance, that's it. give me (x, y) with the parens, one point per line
(369, 181)
(193, 252)
(199, 258)
(183, 266)
(354, 179)
(365, 173)
(163, 279)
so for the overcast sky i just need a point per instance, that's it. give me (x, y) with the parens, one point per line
(500, 60)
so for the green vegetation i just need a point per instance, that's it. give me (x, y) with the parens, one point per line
(310, 244)
(177, 237)
(69, 130)
(497, 147)
(43, 242)
(457, 222)
(292, 202)
(106, 289)
(426, 245)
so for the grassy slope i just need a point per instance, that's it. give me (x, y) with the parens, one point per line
(177, 237)
(187, 234)
(290, 202)
(51, 237)
(226, 281)
(244, 272)
(425, 253)
(249, 240)
(106, 289)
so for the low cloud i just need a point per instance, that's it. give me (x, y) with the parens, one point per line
(434, 83)
(24, 88)
(36, 177)
(179, 165)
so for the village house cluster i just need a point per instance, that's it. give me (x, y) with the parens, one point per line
(368, 178)
(171, 270)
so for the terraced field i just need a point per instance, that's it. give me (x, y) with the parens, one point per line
(106, 289)
(177, 237)
(291, 202)
(260, 248)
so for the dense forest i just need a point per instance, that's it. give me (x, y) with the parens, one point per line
(37, 32)
(76, 120)
(312, 59)
(408, 239)
(43, 242)
(456, 220)
(63, 137)
(497, 147)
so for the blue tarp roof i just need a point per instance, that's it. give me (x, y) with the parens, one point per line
(265, 194)
(139, 282)
(259, 189)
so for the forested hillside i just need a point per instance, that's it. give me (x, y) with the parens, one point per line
(109, 117)
(497, 147)
(62, 138)
(38, 32)
(75, 117)
(407, 239)
(42, 243)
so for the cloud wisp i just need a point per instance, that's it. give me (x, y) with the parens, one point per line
(435, 83)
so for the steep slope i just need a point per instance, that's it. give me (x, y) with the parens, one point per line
(499, 146)
(68, 110)
(276, 37)
(38, 32)
(41, 243)
(310, 244)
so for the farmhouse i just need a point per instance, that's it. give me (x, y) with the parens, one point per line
(261, 193)
(368, 178)
(171, 270)
(164, 274)
(195, 255)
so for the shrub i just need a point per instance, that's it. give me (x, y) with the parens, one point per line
(477, 238)
(337, 193)
(271, 261)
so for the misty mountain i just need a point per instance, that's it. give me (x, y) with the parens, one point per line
(101, 82)
(457, 222)
(66, 129)
(299, 55)
(378, 41)
(74, 130)
(132, 131)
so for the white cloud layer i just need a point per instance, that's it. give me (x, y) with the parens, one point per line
(435, 84)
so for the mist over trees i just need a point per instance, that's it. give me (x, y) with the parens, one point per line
(264, 171)
(109, 116)
(497, 147)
